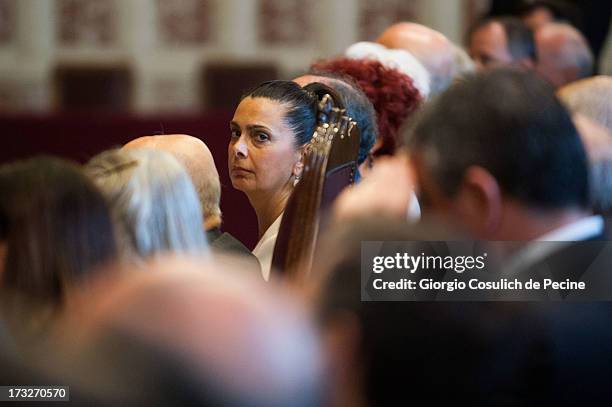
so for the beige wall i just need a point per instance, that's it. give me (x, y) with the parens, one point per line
(166, 71)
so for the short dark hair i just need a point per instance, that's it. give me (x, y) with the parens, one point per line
(521, 42)
(301, 106)
(58, 227)
(510, 123)
(358, 107)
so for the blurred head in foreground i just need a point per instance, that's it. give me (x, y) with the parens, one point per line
(193, 333)
(56, 228)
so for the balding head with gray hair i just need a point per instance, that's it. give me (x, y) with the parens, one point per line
(153, 200)
(563, 53)
(197, 159)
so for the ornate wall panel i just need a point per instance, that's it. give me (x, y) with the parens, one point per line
(285, 22)
(375, 16)
(87, 23)
(184, 22)
(8, 16)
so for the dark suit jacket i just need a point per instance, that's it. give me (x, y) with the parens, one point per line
(588, 261)
(226, 243)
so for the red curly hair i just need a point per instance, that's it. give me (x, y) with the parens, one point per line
(392, 93)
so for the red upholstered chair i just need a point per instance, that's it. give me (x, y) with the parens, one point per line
(92, 87)
(222, 84)
(330, 164)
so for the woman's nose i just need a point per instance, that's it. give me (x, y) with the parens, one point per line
(240, 148)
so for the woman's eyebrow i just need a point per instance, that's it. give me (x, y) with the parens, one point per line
(257, 127)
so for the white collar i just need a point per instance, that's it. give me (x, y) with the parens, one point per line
(265, 247)
(580, 230)
(271, 232)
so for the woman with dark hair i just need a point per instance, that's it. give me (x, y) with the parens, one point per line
(271, 126)
(57, 227)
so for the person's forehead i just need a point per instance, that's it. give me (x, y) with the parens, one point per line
(260, 111)
(492, 32)
(490, 38)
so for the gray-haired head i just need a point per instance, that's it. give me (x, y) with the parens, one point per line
(564, 55)
(197, 159)
(153, 200)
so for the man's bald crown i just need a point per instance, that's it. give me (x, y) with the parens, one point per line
(197, 159)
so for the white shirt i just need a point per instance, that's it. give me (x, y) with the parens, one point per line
(265, 247)
(413, 212)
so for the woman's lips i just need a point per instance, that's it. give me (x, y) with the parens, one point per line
(239, 171)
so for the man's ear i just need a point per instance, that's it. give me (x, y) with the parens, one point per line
(479, 201)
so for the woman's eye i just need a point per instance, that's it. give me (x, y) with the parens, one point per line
(235, 133)
(262, 137)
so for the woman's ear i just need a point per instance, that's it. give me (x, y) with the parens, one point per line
(298, 167)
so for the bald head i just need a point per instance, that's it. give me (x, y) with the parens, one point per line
(564, 55)
(591, 98)
(197, 159)
(430, 47)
